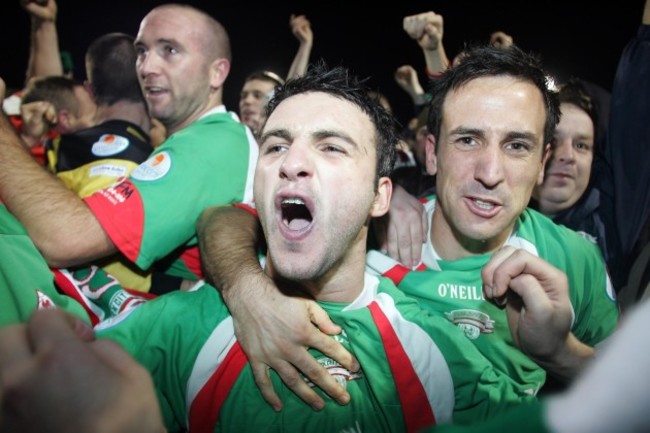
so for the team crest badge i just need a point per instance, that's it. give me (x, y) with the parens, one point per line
(473, 322)
(109, 144)
(153, 168)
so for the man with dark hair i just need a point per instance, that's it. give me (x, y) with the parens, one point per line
(93, 158)
(322, 134)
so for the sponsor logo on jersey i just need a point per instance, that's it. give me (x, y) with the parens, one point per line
(153, 168)
(460, 291)
(109, 144)
(473, 322)
(111, 170)
(118, 192)
(43, 301)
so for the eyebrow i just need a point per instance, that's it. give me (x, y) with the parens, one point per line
(318, 135)
(512, 135)
(157, 42)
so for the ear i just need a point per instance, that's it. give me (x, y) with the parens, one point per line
(219, 70)
(545, 156)
(382, 197)
(63, 121)
(430, 152)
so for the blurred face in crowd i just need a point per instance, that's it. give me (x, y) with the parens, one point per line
(569, 168)
(419, 146)
(252, 100)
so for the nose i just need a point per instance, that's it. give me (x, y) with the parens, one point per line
(247, 98)
(296, 163)
(489, 166)
(563, 150)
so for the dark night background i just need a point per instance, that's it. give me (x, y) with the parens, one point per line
(575, 38)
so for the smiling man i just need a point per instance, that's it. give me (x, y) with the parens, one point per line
(492, 121)
(567, 195)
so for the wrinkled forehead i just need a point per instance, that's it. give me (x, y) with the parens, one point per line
(319, 111)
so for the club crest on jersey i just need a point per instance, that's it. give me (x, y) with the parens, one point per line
(473, 322)
(153, 168)
(338, 372)
(341, 374)
(109, 144)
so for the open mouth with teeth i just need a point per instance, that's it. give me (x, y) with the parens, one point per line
(295, 214)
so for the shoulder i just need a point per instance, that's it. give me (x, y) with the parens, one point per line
(172, 310)
(542, 230)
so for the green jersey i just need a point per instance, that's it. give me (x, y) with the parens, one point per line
(453, 289)
(416, 370)
(151, 215)
(26, 281)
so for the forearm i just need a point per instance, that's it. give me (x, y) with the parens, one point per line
(436, 60)
(300, 61)
(228, 238)
(59, 223)
(44, 54)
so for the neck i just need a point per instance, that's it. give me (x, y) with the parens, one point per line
(450, 244)
(171, 129)
(343, 282)
(546, 207)
(134, 112)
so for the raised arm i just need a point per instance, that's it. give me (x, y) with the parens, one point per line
(44, 54)
(427, 30)
(273, 329)
(407, 78)
(301, 29)
(60, 224)
(501, 39)
(536, 297)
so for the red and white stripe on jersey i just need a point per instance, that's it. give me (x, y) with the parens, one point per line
(422, 377)
(388, 267)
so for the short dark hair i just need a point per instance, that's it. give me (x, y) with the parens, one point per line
(574, 92)
(55, 89)
(487, 61)
(339, 82)
(110, 67)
